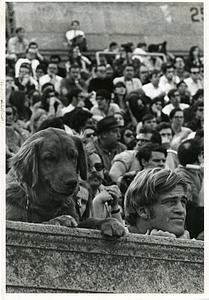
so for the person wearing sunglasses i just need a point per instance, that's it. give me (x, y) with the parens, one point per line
(194, 81)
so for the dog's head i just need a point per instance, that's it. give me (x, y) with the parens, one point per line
(50, 160)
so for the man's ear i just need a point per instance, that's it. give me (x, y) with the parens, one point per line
(143, 212)
(144, 162)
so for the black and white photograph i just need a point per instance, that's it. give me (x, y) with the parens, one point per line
(102, 119)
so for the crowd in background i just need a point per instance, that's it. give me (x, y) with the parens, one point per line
(133, 111)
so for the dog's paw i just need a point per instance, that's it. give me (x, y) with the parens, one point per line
(64, 220)
(113, 228)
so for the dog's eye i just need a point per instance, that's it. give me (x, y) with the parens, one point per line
(49, 157)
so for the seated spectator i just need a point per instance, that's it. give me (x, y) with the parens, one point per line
(121, 60)
(148, 121)
(120, 95)
(144, 74)
(128, 137)
(194, 58)
(152, 89)
(190, 169)
(155, 204)
(72, 81)
(83, 200)
(29, 59)
(40, 71)
(166, 134)
(89, 134)
(168, 80)
(55, 58)
(76, 57)
(144, 135)
(194, 81)
(101, 81)
(179, 131)
(175, 99)
(156, 107)
(52, 77)
(76, 37)
(197, 122)
(17, 45)
(120, 119)
(189, 113)
(184, 93)
(137, 106)
(19, 100)
(51, 103)
(103, 107)
(179, 65)
(25, 82)
(131, 83)
(10, 87)
(107, 144)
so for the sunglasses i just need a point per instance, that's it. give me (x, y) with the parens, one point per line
(9, 113)
(98, 166)
(195, 72)
(129, 134)
(88, 135)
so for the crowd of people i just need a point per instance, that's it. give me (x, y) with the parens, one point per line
(140, 118)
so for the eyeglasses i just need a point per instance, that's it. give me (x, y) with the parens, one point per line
(88, 135)
(195, 72)
(200, 109)
(9, 113)
(98, 166)
(178, 117)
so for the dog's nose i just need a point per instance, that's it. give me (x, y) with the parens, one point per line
(71, 183)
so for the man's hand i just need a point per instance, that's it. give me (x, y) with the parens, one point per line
(112, 227)
(64, 220)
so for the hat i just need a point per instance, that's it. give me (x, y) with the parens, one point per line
(107, 124)
(103, 93)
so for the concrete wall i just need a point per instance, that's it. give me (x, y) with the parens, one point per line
(180, 24)
(44, 258)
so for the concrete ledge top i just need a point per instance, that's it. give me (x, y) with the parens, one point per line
(95, 234)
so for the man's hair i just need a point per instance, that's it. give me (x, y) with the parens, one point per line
(163, 125)
(155, 138)
(113, 44)
(19, 29)
(145, 151)
(147, 117)
(32, 44)
(172, 113)
(74, 66)
(146, 188)
(128, 65)
(73, 93)
(153, 72)
(188, 152)
(178, 84)
(55, 57)
(171, 93)
(26, 66)
(75, 21)
(51, 122)
(165, 67)
(140, 45)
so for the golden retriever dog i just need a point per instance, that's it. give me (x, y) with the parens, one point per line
(43, 176)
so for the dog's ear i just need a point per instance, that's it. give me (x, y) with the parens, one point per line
(25, 163)
(82, 158)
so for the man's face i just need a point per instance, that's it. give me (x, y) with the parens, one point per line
(101, 72)
(9, 116)
(178, 119)
(170, 73)
(129, 72)
(21, 34)
(82, 198)
(182, 88)
(152, 123)
(52, 69)
(179, 63)
(143, 138)
(155, 79)
(102, 103)
(111, 137)
(39, 73)
(166, 136)
(195, 74)
(176, 99)
(143, 73)
(9, 82)
(169, 213)
(157, 159)
(23, 72)
(95, 170)
(200, 113)
(75, 73)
